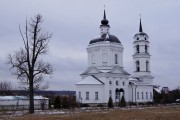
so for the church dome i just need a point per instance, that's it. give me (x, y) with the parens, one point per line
(105, 37)
(104, 22)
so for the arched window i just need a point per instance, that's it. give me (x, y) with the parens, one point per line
(117, 83)
(145, 38)
(116, 59)
(147, 66)
(137, 66)
(110, 83)
(123, 83)
(137, 49)
(146, 49)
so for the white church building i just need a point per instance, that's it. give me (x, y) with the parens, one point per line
(105, 75)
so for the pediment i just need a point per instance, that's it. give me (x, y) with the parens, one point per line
(90, 80)
(118, 70)
(91, 70)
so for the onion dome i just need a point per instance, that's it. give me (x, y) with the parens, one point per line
(105, 37)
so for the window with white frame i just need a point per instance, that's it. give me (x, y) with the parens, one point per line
(142, 95)
(146, 49)
(79, 95)
(146, 95)
(116, 59)
(96, 96)
(147, 66)
(137, 49)
(87, 95)
(138, 95)
(117, 95)
(104, 59)
(123, 83)
(110, 82)
(137, 66)
(93, 59)
(151, 96)
(117, 83)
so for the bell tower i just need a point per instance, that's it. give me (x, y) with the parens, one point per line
(141, 56)
(104, 27)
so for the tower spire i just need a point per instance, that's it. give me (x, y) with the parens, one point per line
(104, 15)
(140, 27)
(104, 21)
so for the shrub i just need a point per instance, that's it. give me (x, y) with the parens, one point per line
(84, 105)
(72, 102)
(122, 102)
(132, 104)
(100, 105)
(110, 103)
(57, 102)
(149, 103)
(65, 103)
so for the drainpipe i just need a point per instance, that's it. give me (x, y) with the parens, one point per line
(135, 93)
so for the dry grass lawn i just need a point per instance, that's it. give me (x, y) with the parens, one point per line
(149, 113)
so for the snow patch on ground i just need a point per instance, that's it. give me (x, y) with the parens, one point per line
(103, 110)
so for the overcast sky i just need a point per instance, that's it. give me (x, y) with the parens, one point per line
(74, 23)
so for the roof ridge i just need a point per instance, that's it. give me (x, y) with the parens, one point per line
(97, 79)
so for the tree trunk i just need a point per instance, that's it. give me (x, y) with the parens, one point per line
(31, 96)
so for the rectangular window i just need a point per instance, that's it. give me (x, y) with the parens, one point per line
(93, 59)
(138, 95)
(104, 59)
(96, 96)
(87, 95)
(79, 95)
(146, 95)
(116, 59)
(151, 96)
(142, 95)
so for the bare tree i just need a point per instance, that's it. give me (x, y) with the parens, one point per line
(27, 63)
(5, 86)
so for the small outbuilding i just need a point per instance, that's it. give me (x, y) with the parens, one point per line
(22, 102)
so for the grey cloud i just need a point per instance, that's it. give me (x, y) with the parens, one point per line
(75, 23)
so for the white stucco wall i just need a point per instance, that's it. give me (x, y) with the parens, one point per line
(135, 89)
(91, 89)
(98, 50)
